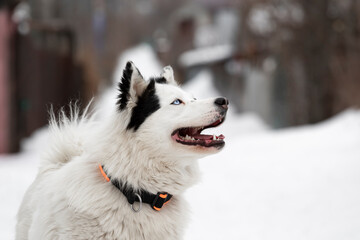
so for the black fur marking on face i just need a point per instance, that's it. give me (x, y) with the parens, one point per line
(160, 80)
(147, 104)
(124, 86)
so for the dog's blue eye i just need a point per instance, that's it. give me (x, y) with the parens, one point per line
(176, 102)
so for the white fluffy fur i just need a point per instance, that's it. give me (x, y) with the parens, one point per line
(70, 199)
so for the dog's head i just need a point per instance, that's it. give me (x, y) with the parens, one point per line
(162, 117)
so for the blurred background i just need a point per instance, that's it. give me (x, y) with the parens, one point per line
(290, 69)
(291, 62)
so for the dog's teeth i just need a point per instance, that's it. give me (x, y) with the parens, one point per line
(187, 137)
(214, 137)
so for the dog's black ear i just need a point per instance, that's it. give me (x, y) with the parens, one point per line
(168, 75)
(131, 86)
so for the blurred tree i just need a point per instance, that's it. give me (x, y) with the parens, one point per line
(313, 47)
(316, 44)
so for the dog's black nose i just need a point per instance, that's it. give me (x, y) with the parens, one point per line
(223, 102)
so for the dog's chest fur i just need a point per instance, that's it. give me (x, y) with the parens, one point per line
(146, 224)
(122, 223)
(94, 209)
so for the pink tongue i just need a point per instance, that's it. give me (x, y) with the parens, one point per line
(203, 137)
(207, 137)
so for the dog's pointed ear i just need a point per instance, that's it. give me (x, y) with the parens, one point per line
(168, 74)
(131, 86)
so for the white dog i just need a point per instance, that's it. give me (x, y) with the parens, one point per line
(123, 178)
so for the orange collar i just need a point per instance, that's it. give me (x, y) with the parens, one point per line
(156, 201)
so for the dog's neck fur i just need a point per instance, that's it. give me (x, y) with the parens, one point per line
(133, 164)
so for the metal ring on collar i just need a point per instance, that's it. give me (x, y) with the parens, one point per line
(140, 202)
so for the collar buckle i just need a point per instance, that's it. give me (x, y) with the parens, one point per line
(160, 200)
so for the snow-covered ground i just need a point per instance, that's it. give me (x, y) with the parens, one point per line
(296, 183)
(299, 183)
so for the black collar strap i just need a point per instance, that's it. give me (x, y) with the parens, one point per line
(156, 201)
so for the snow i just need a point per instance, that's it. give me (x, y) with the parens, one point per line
(206, 55)
(17, 172)
(299, 183)
(295, 183)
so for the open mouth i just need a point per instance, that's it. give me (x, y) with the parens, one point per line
(193, 136)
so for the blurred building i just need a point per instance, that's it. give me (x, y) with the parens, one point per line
(37, 70)
(6, 29)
